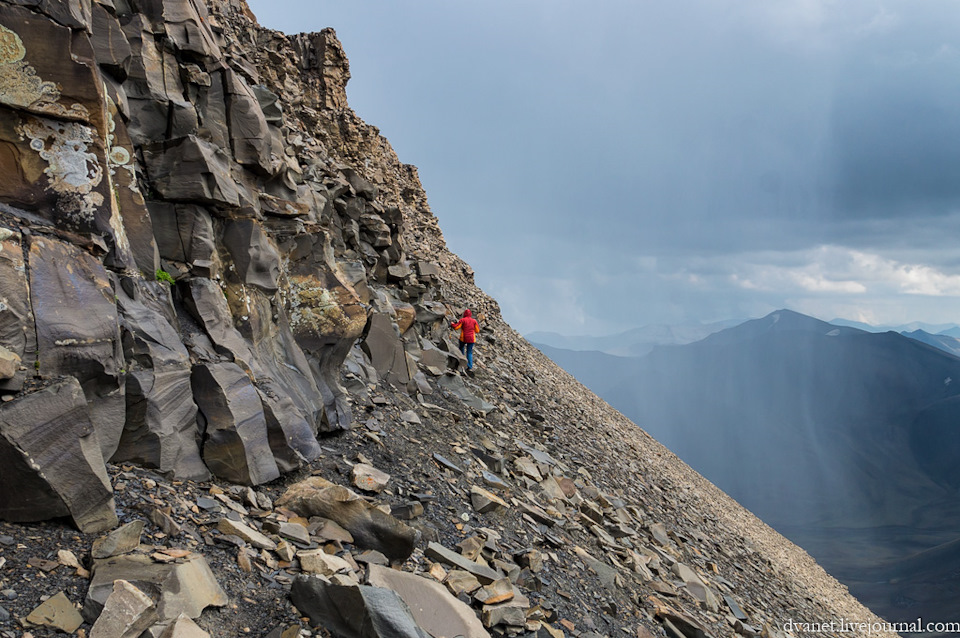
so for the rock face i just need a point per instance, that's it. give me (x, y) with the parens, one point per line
(176, 237)
(206, 262)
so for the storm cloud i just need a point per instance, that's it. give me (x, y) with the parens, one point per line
(610, 165)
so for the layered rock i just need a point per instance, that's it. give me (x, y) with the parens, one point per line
(176, 238)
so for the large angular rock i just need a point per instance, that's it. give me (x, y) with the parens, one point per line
(326, 317)
(161, 427)
(370, 527)
(236, 446)
(186, 586)
(187, 24)
(437, 552)
(184, 233)
(125, 538)
(110, 46)
(324, 53)
(126, 613)
(432, 606)
(455, 385)
(50, 461)
(247, 533)
(382, 344)
(17, 332)
(159, 108)
(47, 72)
(78, 332)
(53, 128)
(211, 105)
(191, 169)
(354, 611)
(318, 561)
(9, 364)
(249, 134)
(127, 200)
(74, 14)
(254, 254)
(205, 301)
(290, 435)
(56, 612)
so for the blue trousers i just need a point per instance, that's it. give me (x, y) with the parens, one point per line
(467, 349)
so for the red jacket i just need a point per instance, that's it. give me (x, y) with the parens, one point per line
(468, 328)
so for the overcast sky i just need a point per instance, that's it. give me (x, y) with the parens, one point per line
(613, 164)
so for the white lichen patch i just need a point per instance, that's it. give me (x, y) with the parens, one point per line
(21, 87)
(73, 170)
(119, 157)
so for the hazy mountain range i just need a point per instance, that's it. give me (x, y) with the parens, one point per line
(634, 342)
(844, 440)
(637, 342)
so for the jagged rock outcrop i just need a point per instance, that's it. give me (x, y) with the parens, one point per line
(177, 240)
(206, 260)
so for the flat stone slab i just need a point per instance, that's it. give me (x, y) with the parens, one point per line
(57, 612)
(125, 538)
(245, 532)
(439, 553)
(432, 606)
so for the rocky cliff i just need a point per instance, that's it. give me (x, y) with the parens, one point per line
(206, 262)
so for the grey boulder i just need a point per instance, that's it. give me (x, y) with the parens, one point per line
(50, 461)
(355, 611)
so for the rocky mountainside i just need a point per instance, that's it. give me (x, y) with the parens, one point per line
(206, 262)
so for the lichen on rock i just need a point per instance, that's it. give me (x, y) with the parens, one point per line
(20, 86)
(73, 169)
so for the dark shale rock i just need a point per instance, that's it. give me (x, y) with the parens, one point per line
(432, 606)
(254, 254)
(161, 427)
(326, 317)
(291, 437)
(186, 586)
(382, 344)
(78, 332)
(205, 301)
(184, 233)
(110, 46)
(190, 169)
(50, 460)
(354, 611)
(17, 331)
(235, 441)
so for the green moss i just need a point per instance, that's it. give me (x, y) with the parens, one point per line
(163, 275)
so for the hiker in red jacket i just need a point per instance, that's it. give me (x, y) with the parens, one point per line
(468, 328)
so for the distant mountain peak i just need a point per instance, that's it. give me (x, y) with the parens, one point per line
(778, 321)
